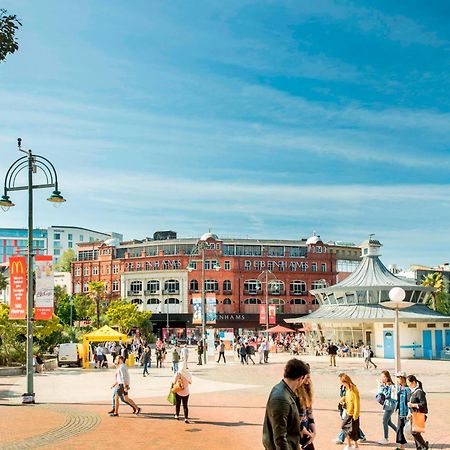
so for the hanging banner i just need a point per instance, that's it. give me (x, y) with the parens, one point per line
(196, 310)
(18, 287)
(272, 314)
(43, 301)
(211, 308)
(262, 314)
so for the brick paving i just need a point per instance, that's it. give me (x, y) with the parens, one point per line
(227, 407)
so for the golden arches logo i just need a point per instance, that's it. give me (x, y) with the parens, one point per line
(17, 267)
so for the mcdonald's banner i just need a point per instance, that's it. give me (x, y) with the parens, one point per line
(262, 314)
(18, 287)
(211, 308)
(272, 314)
(43, 301)
(196, 310)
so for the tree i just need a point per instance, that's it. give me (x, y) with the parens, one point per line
(10, 330)
(435, 281)
(126, 316)
(97, 293)
(64, 263)
(9, 24)
(66, 310)
(84, 307)
(3, 282)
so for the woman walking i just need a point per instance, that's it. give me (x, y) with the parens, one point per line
(308, 426)
(387, 396)
(350, 423)
(417, 404)
(403, 396)
(183, 378)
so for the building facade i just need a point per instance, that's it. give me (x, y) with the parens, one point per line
(163, 276)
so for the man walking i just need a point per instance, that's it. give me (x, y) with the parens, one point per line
(200, 350)
(184, 353)
(281, 430)
(222, 352)
(368, 355)
(266, 350)
(175, 359)
(123, 386)
(332, 352)
(145, 359)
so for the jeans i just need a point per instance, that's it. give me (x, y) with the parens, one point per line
(146, 366)
(175, 366)
(244, 359)
(266, 356)
(121, 397)
(387, 422)
(400, 439)
(222, 355)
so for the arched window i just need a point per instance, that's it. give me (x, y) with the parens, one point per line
(193, 286)
(227, 286)
(279, 304)
(172, 287)
(147, 265)
(252, 301)
(137, 301)
(252, 286)
(298, 301)
(227, 301)
(276, 287)
(297, 287)
(136, 287)
(153, 301)
(171, 301)
(152, 287)
(211, 285)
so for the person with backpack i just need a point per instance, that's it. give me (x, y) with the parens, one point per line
(368, 355)
(417, 404)
(403, 396)
(387, 397)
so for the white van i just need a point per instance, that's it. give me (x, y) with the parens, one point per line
(70, 353)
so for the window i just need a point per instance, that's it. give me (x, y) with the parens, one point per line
(298, 301)
(153, 301)
(193, 286)
(147, 265)
(252, 301)
(116, 268)
(275, 251)
(193, 265)
(227, 265)
(136, 287)
(252, 286)
(70, 237)
(297, 287)
(323, 267)
(115, 286)
(314, 267)
(211, 285)
(227, 286)
(91, 239)
(276, 287)
(211, 264)
(136, 301)
(248, 250)
(77, 271)
(152, 287)
(172, 301)
(318, 249)
(85, 287)
(94, 270)
(56, 236)
(56, 251)
(171, 287)
(227, 301)
(57, 244)
(319, 284)
(279, 308)
(81, 238)
(77, 288)
(70, 245)
(85, 271)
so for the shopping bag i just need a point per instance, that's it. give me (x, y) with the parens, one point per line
(171, 398)
(418, 422)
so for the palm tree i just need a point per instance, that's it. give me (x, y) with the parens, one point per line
(96, 291)
(436, 281)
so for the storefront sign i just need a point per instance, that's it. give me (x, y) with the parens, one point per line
(231, 317)
(43, 301)
(18, 287)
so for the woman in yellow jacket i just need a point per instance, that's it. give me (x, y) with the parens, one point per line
(351, 404)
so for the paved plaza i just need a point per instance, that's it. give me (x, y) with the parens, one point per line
(227, 405)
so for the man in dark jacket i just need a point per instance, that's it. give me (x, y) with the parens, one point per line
(332, 351)
(281, 430)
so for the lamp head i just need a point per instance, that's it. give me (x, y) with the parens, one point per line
(56, 197)
(6, 203)
(397, 294)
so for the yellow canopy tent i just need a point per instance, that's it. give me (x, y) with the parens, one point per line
(103, 334)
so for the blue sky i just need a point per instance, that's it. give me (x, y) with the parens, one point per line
(264, 119)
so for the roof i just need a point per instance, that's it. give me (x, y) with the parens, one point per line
(104, 334)
(370, 313)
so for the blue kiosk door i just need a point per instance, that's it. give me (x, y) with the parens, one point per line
(447, 338)
(427, 344)
(439, 344)
(388, 336)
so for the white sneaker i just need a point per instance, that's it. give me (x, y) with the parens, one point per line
(364, 439)
(347, 447)
(337, 441)
(383, 441)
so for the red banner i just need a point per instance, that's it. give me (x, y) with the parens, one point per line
(43, 302)
(18, 287)
(272, 314)
(262, 314)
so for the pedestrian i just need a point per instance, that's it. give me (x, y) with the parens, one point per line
(124, 352)
(403, 396)
(332, 352)
(163, 354)
(200, 350)
(266, 350)
(282, 428)
(222, 352)
(98, 356)
(419, 409)
(184, 353)
(351, 403)
(243, 353)
(145, 360)
(175, 359)
(158, 352)
(387, 396)
(368, 355)
(261, 352)
(122, 381)
(308, 433)
(184, 379)
(249, 351)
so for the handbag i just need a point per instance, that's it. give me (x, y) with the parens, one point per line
(171, 398)
(178, 386)
(418, 422)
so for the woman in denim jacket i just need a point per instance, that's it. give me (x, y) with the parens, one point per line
(403, 396)
(386, 387)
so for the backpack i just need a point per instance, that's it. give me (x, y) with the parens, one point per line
(371, 355)
(381, 398)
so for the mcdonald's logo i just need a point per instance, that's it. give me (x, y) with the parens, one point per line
(17, 266)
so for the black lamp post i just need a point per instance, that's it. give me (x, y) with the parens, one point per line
(31, 162)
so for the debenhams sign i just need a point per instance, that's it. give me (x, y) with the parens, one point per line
(229, 317)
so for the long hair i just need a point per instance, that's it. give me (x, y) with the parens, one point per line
(305, 394)
(387, 374)
(413, 379)
(347, 380)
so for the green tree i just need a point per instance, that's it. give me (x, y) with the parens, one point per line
(47, 333)
(84, 307)
(9, 24)
(10, 332)
(66, 310)
(59, 294)
(435, 281)
(97, 293)
(126, 316)
(3, 282)
(64, 263)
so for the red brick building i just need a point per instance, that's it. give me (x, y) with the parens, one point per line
(153, 273)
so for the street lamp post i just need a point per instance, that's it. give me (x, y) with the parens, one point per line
(32, 162)
(397, 296)
(265, 274)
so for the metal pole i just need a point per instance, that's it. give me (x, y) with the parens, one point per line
(71, 305)
(203, 304)
(267, 304)
(397, 343)
(29, 365)
(167, 318)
